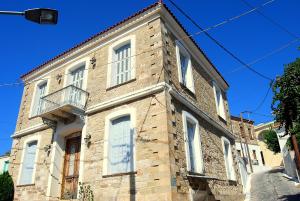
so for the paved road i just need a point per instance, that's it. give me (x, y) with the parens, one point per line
(272, 185)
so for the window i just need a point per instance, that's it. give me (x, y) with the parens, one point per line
(254, 155)
(28, 163)
(122, 66)
(120, 157)
(228, 159)
(192, 143)
(5, 166)
(38, 102)
(185, 71)
(76, 79)
(242, 131)
(250, 133)
(239, 153)
(219, 101)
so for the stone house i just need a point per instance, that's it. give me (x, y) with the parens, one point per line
(247, 144)
(136, 112)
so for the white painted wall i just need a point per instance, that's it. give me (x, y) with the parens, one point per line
(256, 168)
(289, 164)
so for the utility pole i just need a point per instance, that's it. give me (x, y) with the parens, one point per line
(246, 142)
(296, 150)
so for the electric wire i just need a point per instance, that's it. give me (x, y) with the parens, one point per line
(271, 20)
(219, 43)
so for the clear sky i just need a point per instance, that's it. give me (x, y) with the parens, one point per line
(24, 45)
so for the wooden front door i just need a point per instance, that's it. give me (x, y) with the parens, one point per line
(71, 168)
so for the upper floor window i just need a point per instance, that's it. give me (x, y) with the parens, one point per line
(219, 101)
(228, 159)
(38, 103)
(250, 133)
(192, 143)
(77, 77)
(121, 61)
(5, 166)
(122, 66)
(28, 163)
(185, 71)
(119, 157)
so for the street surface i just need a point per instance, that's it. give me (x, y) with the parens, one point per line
(273, 185)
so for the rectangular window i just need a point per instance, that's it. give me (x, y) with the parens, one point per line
(254, 155)
(39, 103)
(228, 159)
(185, 71)
(120, 146)
(121, 68)
(219, 101)
(192, 143)
(250, 133)
(28, 163)
(77, 77)
(5, 166)
(239, 153)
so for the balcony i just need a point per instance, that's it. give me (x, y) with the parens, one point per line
(63, 105)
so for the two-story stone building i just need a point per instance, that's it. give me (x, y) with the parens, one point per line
(138, 112)
(247, 145)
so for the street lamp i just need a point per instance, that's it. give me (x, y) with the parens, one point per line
(38, 15)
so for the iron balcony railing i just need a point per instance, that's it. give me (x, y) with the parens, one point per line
(67, 96)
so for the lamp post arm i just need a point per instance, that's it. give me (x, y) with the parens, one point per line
(11, 13)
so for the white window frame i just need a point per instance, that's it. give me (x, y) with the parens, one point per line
(112, 116)
(219, 106)
(35, 91)
(75, 65)
(117, 44)
(190, 80)
(230, 175)
(26, 142)
(199, 162)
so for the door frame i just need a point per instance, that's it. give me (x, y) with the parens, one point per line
(74, 136)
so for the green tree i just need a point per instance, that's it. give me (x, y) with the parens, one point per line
(286, 100)
(271, 140)
(6, 187)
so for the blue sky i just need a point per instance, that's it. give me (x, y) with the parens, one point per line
(24, 45)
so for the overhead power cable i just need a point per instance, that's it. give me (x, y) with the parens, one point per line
(189, 36)
(218, 43)
(274, 51)
(271, 20)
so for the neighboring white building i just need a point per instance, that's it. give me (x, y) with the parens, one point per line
(4, 163)
(287, 155)
(255, 155)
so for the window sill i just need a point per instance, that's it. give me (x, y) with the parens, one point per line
(118, 85)
(190, 92)
(119, 174)
(232, 182)
(222, 119)
(24, 185)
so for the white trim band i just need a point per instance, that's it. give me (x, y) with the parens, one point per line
(29, 130)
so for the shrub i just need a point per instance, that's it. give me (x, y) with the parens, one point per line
(6, 187)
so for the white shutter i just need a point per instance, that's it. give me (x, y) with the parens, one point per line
(121, 68)
(41, 91)
(28, 163)
(77, 77)
(120, 146)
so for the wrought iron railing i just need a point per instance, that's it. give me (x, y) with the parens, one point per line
(70, 95)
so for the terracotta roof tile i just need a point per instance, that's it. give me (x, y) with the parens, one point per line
(119, 23)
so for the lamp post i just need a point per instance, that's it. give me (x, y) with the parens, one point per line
(37, 15)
